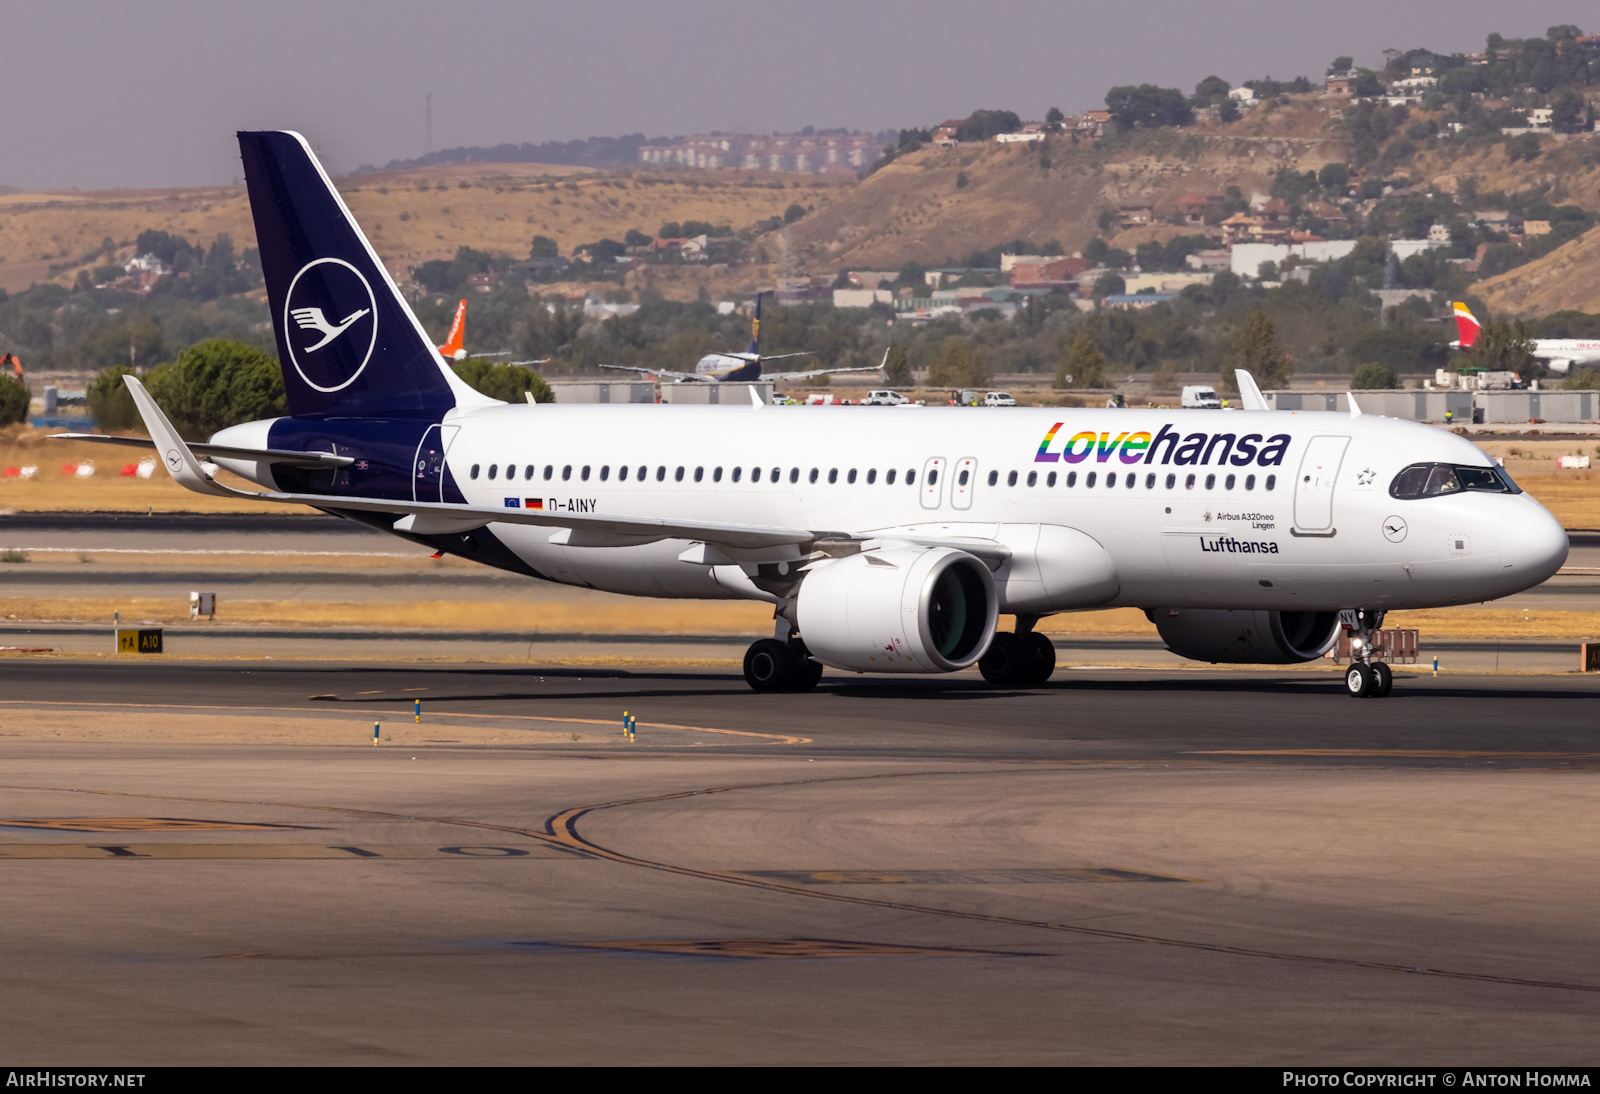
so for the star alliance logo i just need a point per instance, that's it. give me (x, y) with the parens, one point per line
(1364, 478)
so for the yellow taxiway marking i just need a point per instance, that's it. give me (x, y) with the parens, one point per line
(775, 738)
(1401, 753)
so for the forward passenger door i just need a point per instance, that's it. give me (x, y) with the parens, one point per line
(1313, 488)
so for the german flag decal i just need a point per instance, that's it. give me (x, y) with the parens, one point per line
(535, 503)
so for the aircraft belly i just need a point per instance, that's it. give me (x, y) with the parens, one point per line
(649, 569)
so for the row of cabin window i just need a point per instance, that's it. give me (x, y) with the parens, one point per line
(774, 474)
(1131, 480)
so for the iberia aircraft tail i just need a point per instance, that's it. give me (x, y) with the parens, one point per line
(453, 349)
(1466, 326)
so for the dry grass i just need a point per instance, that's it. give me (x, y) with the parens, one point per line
(641, 616)
(1573, 497)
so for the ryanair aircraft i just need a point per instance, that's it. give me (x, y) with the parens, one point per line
(885, 540)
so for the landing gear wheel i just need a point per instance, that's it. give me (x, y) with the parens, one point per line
(770, 665)
(1359, 681)
(806, 675)
(1043, 654)
(1382, 679)
(1007, 660)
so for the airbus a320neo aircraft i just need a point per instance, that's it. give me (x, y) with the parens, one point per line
(886, 540)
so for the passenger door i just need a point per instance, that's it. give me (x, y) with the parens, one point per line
(1313, 488)
(932, 482)
(966, 478)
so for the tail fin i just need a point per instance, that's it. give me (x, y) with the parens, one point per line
(348, 344)
(453, 349)
(1466, 325)
(755, 328)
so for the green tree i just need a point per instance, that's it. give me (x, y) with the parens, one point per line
(1334, 176)
(897, 367)
(793, 213)
(982, 125)
(1374, 377)
(1504, 345)
(504, 382)
(110, 404)
(1082, 364)
(1256, 350)
(544, 247)
(1053, 116)
(961, 180)
(215, 384)
(1341, 64)
(1568, 113)
(1109, 284)
(636, 238)
(959, 365)
(14, 400)
(1148, 106)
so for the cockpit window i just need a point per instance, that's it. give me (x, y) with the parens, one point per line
(1432, 480)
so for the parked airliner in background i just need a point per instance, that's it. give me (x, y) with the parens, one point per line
(1558, 354)
(887, 540)
(744, 366)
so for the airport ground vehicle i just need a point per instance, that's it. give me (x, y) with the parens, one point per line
(893, 548)
(884, 398)
(998, 398)
(1200, 397)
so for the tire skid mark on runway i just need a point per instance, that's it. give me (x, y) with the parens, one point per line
(775, 738)
(563, 827)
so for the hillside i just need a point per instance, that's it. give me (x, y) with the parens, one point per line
(914, 208)
(411, 216)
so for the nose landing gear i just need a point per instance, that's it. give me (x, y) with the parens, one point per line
(1366, 678)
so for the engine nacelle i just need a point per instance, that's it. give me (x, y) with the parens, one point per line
(914, 609)
(1246, 637)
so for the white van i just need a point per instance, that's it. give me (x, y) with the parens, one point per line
(998, 398)
(1201, 397)
(884, 398)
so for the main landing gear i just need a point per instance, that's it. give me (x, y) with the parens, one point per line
(1366, 678)
(1025, 658)
(771, 664)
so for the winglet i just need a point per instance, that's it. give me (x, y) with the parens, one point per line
(1249, 393)
(883, 364)
(1355, 411)
(181, 462)
(755, 397)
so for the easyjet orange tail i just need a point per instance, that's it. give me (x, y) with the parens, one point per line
(452, 349)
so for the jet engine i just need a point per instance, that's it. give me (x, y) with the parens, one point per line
(1246, 637)
(914, 609)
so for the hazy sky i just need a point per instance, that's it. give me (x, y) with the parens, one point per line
(99, 95)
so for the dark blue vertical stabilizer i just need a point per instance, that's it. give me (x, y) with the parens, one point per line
(348, 344)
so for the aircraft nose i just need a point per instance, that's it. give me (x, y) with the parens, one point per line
(1535, 546)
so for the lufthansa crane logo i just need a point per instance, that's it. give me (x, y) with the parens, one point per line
(330, 324)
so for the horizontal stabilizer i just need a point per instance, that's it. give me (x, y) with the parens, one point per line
(223, 451)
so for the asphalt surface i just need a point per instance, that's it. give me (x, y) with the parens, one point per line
(1120, 867)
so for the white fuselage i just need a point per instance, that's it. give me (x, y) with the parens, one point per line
(1315, 530)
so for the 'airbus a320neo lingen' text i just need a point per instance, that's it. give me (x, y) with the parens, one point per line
(886, 540)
